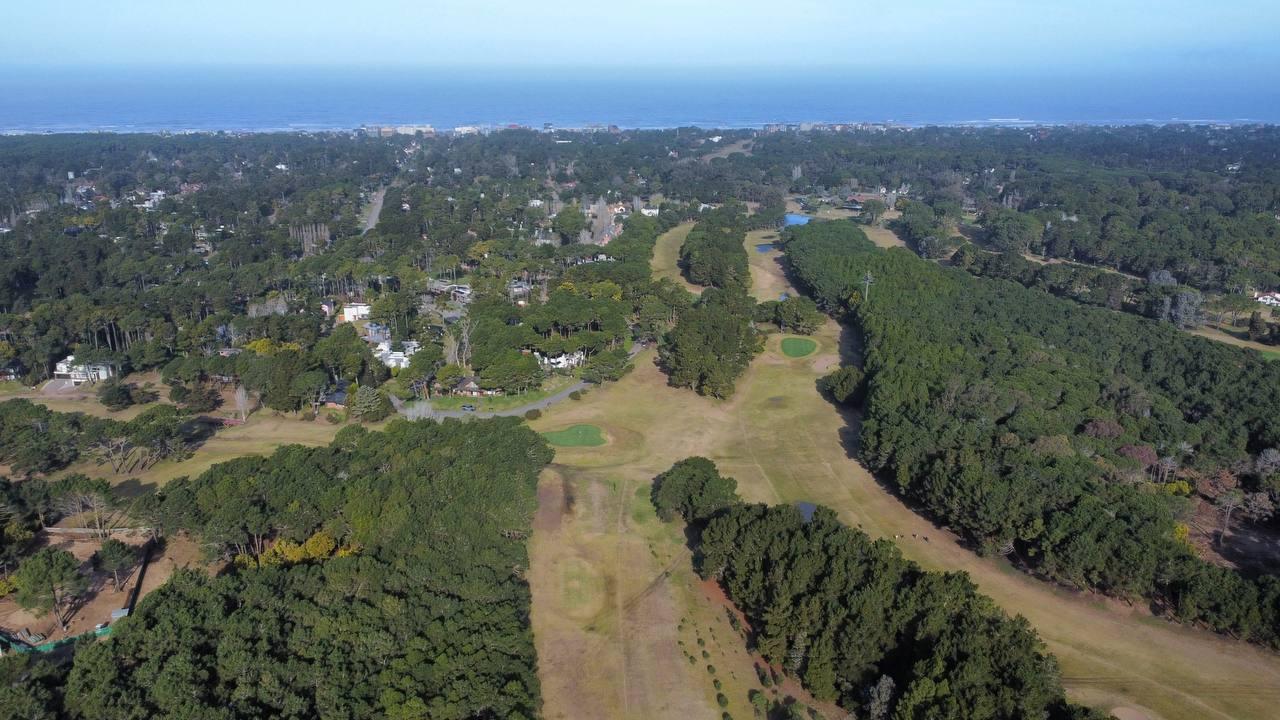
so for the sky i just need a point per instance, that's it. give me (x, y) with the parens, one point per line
(1013, 37)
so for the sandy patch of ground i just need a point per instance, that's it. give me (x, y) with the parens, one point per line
(102, 597)
(824, 364)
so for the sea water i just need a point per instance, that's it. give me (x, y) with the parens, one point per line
(261, 99)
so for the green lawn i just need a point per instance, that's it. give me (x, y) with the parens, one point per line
(576, 436)
(798, 347)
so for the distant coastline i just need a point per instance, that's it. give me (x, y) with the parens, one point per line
(178, 100)
(840, 125)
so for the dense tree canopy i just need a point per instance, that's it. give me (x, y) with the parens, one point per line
(712, 343)
(843, 613)
(1014, 417)
(406, 598)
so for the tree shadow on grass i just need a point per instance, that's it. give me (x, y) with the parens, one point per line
(133, 488)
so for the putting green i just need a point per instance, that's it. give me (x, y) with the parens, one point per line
(798, 347)
(576, 436)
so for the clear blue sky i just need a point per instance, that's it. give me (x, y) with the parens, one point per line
(1240, 37)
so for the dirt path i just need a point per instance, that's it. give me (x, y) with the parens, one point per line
(666, 257)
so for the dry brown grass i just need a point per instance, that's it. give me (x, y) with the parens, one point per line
(785, 444)
(666, 257)
(739, 146)
(883, 236)
(1234, 336)
(102, 597)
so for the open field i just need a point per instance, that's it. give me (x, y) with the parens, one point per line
(617, 609)
(1237, 337)
(784, 444)
(666, 257)
(261, 435)
(883, 236)
(740, 146)
(62, 396)
(824, 212)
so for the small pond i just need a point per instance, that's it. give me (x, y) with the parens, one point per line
(795, 219)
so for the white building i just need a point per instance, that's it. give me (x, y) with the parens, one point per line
(397, 358)
(77, 373)
(1272, 299)
(561, 362)
(352, 312)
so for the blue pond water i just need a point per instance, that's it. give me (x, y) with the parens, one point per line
(795, 219)
(764, 247)
(806, 509)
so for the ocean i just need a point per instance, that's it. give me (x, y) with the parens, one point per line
(268, 99)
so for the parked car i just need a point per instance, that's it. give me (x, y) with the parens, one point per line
(468, 408)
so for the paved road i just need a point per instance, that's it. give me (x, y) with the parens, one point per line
(422, 410)
(375, 209)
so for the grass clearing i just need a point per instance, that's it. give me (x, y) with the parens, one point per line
(1237, 337)
(576, 436)
(798, 347)
(767, 281)
(883, 236)
(261, 435)
(666, 257)
(785, 444)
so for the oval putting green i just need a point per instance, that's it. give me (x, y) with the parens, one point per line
(576, 436)
(798, 347)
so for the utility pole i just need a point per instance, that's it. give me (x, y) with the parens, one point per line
(867, 281)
